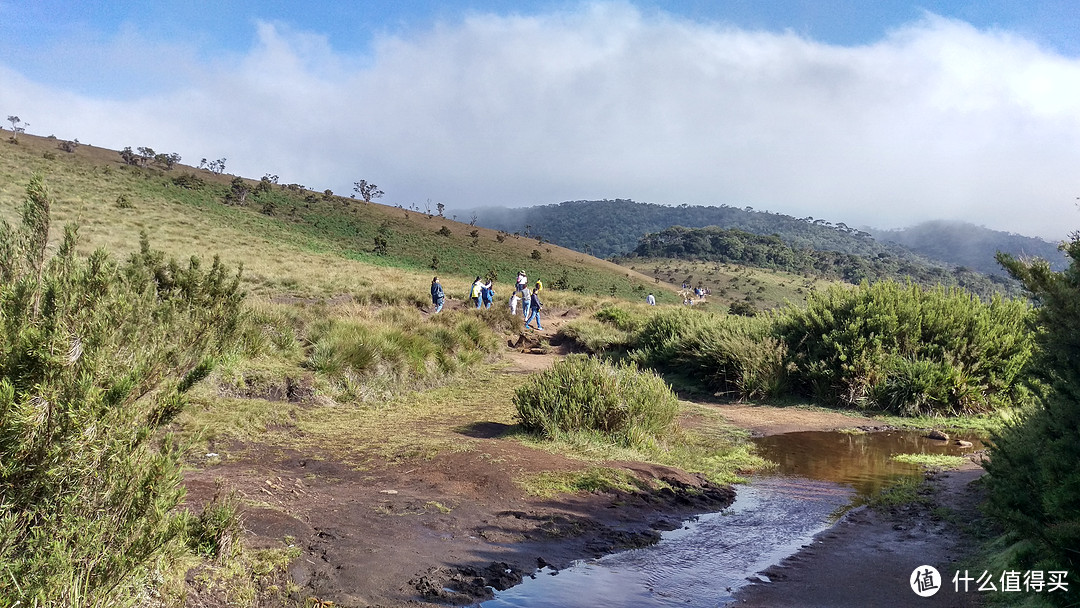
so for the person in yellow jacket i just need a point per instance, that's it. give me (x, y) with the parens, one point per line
(474, 293)
(539, 287)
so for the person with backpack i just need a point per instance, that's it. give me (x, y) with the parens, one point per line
(474, 293)
(534, 311)
(487, 294)
(525, 301)
(521, 282)
(437, 295)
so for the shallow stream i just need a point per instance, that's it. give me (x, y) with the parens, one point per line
(819, 475)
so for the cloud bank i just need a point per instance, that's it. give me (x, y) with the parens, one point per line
(938, 120)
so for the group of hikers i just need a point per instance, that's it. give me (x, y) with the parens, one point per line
(483, 295)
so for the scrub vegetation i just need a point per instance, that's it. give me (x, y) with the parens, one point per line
(890, 347)
(119, 376)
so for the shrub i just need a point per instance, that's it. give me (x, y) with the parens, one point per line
(619, 317)
(1033, 479)
(736, 357)
(89, 486)
(885, 343)
(216, 530)
(624, 404)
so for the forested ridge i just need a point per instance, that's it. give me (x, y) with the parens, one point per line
(608, 228)
(734, 246)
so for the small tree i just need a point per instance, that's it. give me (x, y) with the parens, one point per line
(238, 192)
(444, 231)
(168, 161)
(434, 263)
(129, 157)
(440, 208)
(217, 167)
(535, 254)
(146, 155)
(15, 128)
(367, 191)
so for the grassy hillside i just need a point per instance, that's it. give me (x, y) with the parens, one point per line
(730, 283)
(290, 240)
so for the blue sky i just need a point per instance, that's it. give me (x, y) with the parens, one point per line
(872, 113)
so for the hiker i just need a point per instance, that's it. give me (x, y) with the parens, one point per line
(538, 287)
(487, 294)
(474, 292)
(534, 311)
(514, 299)
(650, 300)
(437, 295)
(526, 301)
(521, 282)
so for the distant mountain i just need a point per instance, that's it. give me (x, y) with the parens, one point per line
(613, 227)
(971, 246)
(609, 228)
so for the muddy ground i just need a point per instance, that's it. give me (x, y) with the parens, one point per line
(449, 529)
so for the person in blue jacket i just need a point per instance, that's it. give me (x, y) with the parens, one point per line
(437, 295)
(534, 310)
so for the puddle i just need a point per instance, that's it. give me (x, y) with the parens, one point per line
(862, 461)
(702, 564)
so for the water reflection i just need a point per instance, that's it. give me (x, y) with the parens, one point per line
(701, 565)
(863, 461)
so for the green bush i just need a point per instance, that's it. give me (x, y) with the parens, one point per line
(735, 356)
(1033, 479)
(95, 358)
(664, 335)
(907, 348)
(215, 531)
(580, 394)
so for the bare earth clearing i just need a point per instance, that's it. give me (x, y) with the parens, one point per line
(410, 531)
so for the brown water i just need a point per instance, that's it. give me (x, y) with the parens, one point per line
(862, 461)
(702, 564)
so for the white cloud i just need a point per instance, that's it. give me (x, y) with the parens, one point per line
(937, 120)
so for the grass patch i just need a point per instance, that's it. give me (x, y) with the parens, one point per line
(595, 479)
(936, 462)
(904, 493)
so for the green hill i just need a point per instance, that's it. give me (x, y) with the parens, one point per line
(291, 240)
(613, 227)
(733, 246)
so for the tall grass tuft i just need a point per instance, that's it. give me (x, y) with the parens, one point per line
(396, 348)
(621, 402)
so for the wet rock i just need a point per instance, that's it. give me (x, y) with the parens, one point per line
(963, 444)
(936, 434)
